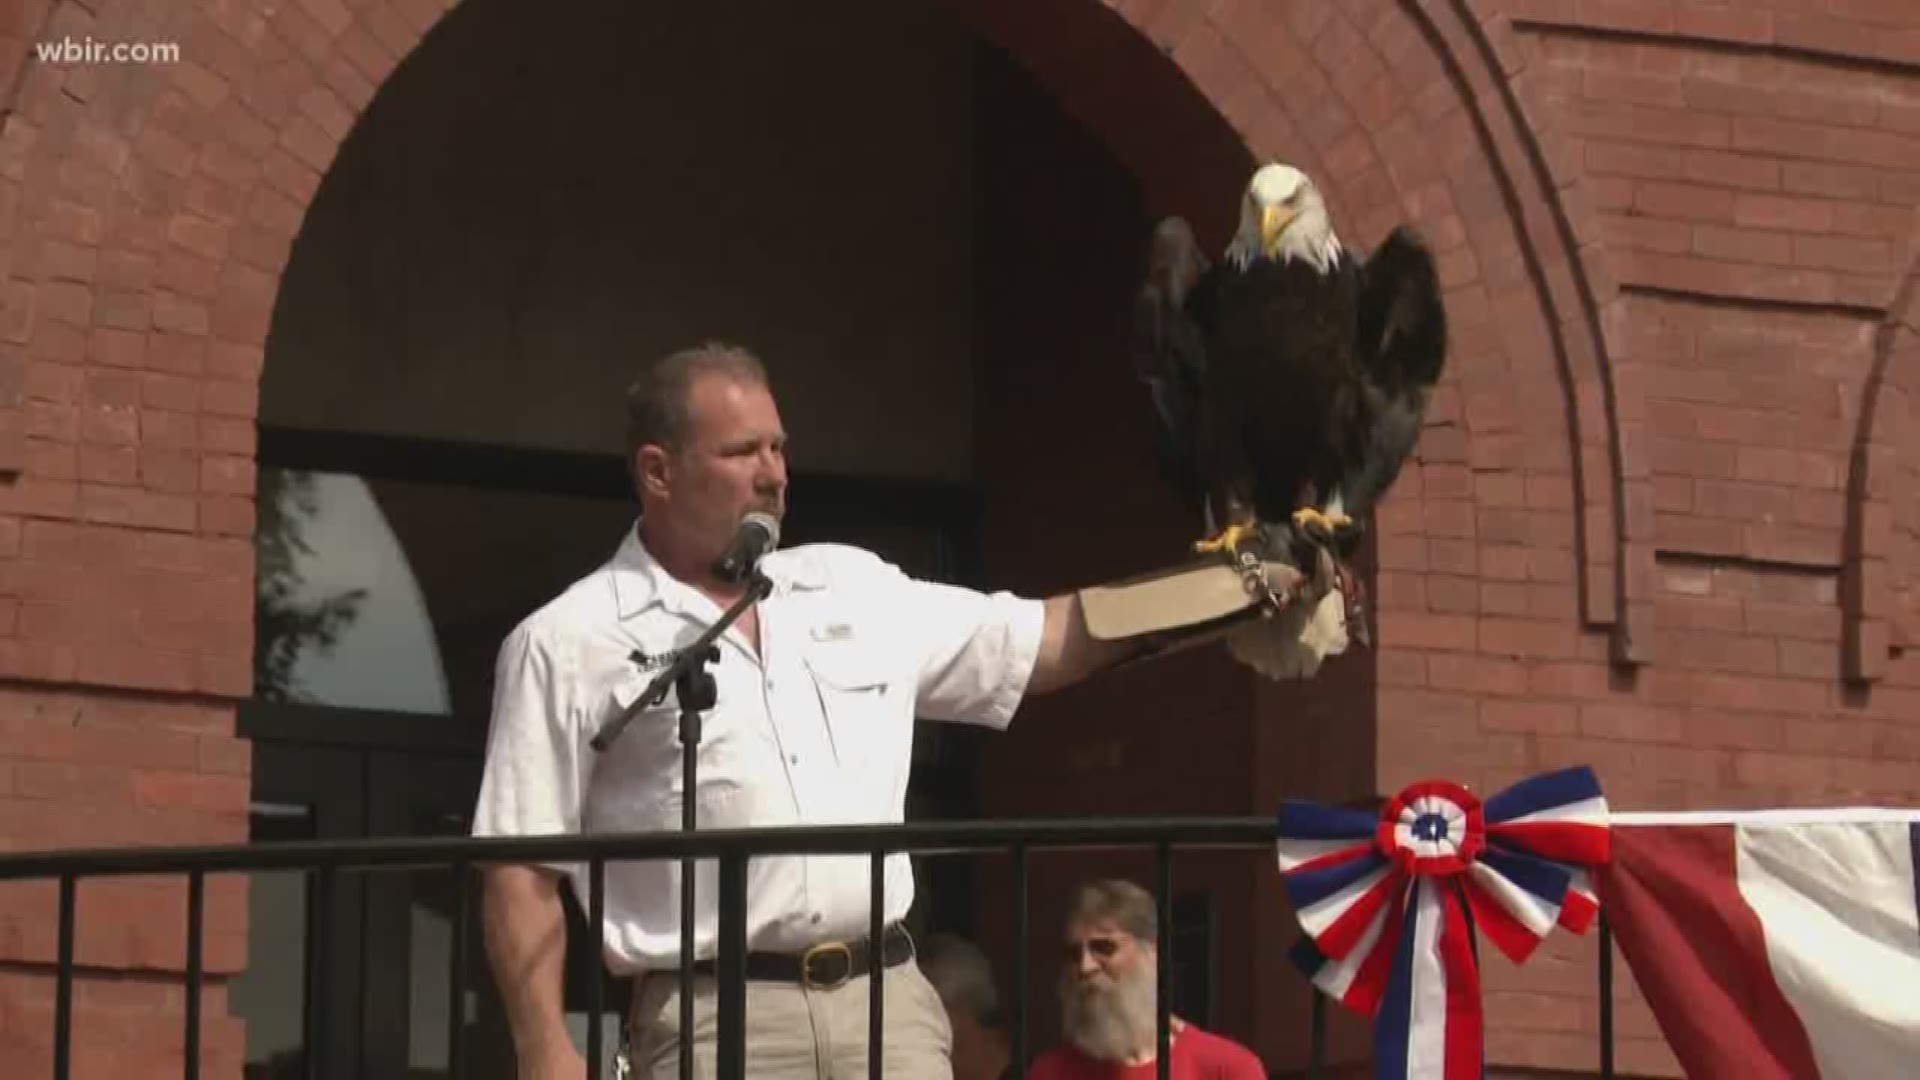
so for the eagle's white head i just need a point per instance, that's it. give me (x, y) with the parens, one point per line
(1283, 217)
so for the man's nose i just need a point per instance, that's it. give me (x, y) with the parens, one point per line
(773, 468)
(1087, 964)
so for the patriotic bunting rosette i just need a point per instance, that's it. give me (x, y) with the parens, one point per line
(1393, 903)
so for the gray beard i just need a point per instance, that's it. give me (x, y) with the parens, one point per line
(1111, 1024)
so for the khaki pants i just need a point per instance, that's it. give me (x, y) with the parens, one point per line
(794, 1033)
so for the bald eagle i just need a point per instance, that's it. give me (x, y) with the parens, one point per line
(1290, 380)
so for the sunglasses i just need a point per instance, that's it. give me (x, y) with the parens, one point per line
(1102, 948)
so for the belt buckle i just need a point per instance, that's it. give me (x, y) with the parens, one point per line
(825, 948)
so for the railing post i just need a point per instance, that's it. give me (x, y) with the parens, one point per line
(1163, 1004)
(63, 986)
(1020, 957)
(1606, 999)
(731, 1029)
(688, 915)
(1318, 1055)
(596, 967)
(196, 931)
(457, 978)
(876, 965)
(320, 1005)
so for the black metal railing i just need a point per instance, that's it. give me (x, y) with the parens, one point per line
(732, 848)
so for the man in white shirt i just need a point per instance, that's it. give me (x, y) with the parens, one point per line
(818, 688)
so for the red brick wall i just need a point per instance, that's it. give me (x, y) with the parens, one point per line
(91, 770)
(1659, 522)
(1753, 179)
(146, 213)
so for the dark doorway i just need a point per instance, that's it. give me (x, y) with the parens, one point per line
(378, 949)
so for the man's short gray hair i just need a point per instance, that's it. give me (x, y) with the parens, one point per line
(657, 398)
(962, 976)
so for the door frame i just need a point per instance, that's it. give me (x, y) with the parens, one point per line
(329, 782)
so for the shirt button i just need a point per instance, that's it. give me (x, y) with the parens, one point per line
(816, 921)
(793, 759)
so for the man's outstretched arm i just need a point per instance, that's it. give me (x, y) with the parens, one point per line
(1068, 653)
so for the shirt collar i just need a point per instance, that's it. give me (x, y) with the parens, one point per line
(639, 581)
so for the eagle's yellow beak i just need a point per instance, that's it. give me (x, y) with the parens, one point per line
(1274, 221)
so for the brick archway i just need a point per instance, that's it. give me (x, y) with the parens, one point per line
(1882, 566)
(151, 220)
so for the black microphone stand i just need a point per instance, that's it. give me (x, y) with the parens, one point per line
(688, 677)
(693, 686)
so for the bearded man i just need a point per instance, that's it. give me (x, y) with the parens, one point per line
(1108, 1014)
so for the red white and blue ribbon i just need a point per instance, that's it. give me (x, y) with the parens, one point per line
(1392, 903)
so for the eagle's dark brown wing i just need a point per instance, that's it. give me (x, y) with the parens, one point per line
(1402, 345)
(1171, 312)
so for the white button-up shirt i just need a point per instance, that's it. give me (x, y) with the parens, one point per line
(817, 729)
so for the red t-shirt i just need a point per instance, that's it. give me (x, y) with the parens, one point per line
(1197, 1055)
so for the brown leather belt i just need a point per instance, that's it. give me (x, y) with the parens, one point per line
(826, 965)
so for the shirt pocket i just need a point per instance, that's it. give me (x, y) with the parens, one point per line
(856, 695)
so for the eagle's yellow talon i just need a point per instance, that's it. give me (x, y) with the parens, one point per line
(1228, 540)
(1308, 516)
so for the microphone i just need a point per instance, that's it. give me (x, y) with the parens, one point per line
(757, 534)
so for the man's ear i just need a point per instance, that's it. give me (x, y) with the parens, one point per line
(652, 470)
